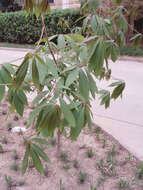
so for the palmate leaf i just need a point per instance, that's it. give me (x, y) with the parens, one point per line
(48, 119)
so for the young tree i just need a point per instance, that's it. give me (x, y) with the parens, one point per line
(64, 75)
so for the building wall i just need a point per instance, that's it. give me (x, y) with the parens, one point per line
(61, 3)
(65, 4)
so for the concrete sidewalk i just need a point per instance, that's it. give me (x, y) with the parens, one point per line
(124, 119)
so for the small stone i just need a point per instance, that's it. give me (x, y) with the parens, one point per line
(18, 129)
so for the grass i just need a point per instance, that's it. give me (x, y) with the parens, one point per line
(15, 167)
(12, 45)
(1, 149)
(9, 126)
(124, 184)
(4, 140)
(130, 51)
(15, 155)
(76, 164)
(21, 182)
(8, 180)
(90, 153)
(64, 156)
(46, 171)
(140, 172)
(66, 167)
(82, 177)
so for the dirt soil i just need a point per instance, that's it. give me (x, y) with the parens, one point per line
(111, 167)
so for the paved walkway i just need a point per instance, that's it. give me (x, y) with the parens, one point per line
(124, 119)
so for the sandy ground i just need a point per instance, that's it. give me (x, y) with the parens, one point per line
(101, 176)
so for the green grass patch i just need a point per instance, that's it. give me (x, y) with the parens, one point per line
(130, 51)
(12, 45)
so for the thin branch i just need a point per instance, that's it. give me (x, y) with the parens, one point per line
(42, 32)
(50, 49)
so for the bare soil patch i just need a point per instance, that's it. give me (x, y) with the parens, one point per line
(96, 161)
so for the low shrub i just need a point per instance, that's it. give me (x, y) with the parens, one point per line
(17, 27)
(130, 51)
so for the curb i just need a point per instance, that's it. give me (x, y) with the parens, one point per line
(15, 49)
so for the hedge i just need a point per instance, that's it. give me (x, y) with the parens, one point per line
(17, 27)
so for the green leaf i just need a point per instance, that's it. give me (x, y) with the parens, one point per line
(42, 70)
(2, 91)
(51, 66)
(36, 160)
(9, 68)
(22, 97)
(39, 97)
(92, 85)
(35, 74)
(97, 59)
(76, 37)
(83, 85)
(72, 77)
(34, 114)
(118, 91)
(136, 39)
(40, 141)
(21, 73)
(105, 98)
(75, 131)
(19, 106)
(116, 83)
(136, 36)
(114, 53)
(88, 118)
(25, 160)
(5, 76)
(67, 113)
(61, 41)
(49, 118)
(39, 59)
(40, 152)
